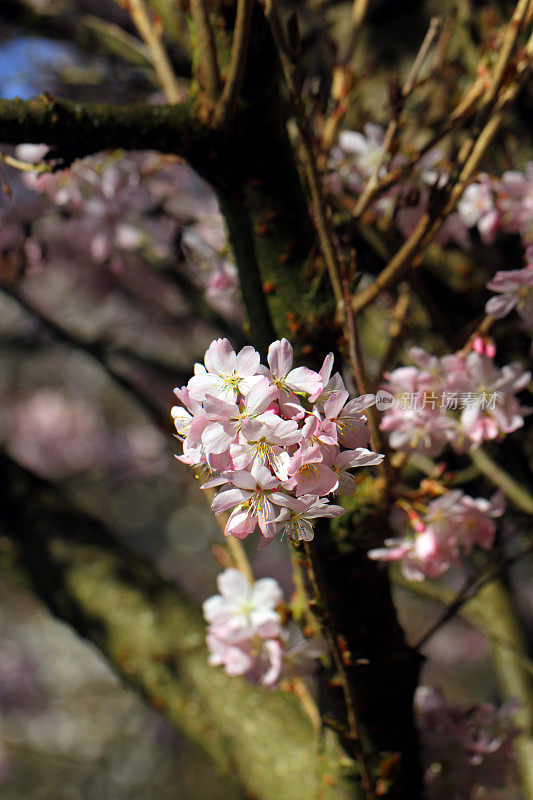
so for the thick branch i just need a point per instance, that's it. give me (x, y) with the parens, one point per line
(153, 636)
(85, 128)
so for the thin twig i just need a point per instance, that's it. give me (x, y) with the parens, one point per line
(359, 11)
(392, 128)
(481, 330)
(459, 115)
(208, 73)
(322, 218)
(24, 166)
(307, 702)
(469, 611)
(225, 106)
(431, 222)
(322, 215)
(158, 55)
(235, 548)
(471, 589)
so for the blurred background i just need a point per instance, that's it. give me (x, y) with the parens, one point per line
(116, 275)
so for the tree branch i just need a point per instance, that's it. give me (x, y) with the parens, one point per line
(85, 128)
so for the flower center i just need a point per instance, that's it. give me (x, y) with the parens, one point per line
(307, 473)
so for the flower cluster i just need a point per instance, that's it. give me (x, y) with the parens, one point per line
(505, 204)
(277, 439)
(436, 538)
(426, 415)
(464, 749)
(246, 635)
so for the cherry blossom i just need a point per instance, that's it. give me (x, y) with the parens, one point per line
(225, 372)
(449, 529)
(246, 636)
(296, 522)
(242, 609)
(458, 399)
(254, 501)
(288, 380)
(477, 208)
(515, 290)
(269, 436)
(480, 421)
(516, 202)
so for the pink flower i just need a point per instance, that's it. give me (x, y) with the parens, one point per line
(254, 501)
(241, 609)
(333, 385)
(225, 374)
(453, 399)
(424, 430)
(515, 288)
(349, 422)
(300, 511)
(516, 202)
(493, 409)
(246, 425)
(475, 516)
(450, 527)
(289, 381)
(245, 634)
(476, 208)
(309, 474)
(421, 557)
(258, 660)
(229, 418)
(340, 462)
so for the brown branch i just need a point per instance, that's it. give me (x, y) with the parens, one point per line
(158, 55)
(225, 106)
(359, 11)
(322, 217)
(207, 70)
(364, 199)
(86, 128)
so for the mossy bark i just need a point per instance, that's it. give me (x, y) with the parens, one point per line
(153, 637)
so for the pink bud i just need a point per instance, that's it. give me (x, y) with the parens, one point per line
(479, 345)
(490, 348)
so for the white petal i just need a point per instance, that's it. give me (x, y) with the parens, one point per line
(247, 362)
(233, 585)
(280, 357)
